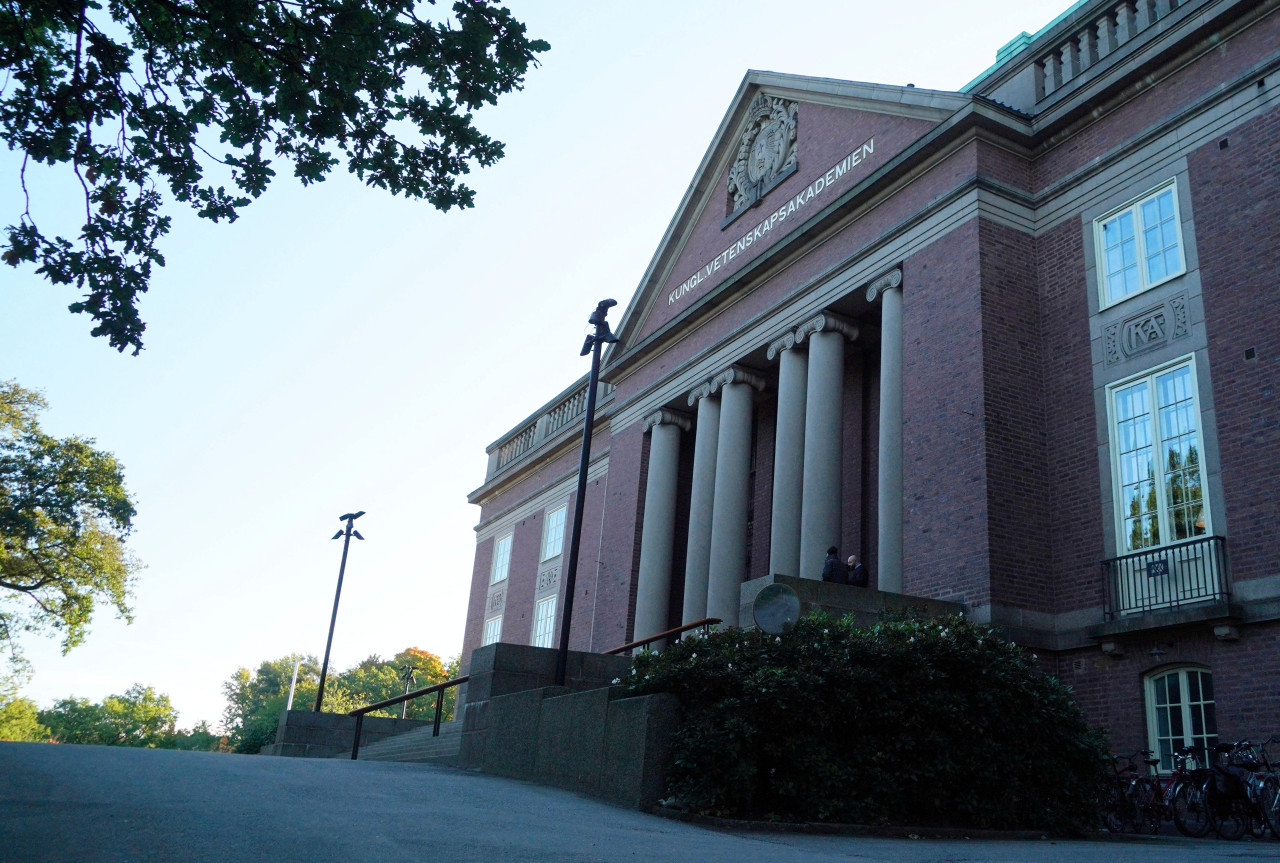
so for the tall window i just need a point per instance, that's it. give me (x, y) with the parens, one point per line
(492, 630)
(1180, 712)
(1139, 245)
(544, 622)
(501, 559)
(1159, 476)
(553, 534)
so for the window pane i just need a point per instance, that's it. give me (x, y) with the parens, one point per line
(553, 534)
(501, 559)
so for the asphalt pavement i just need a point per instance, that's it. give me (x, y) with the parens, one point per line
(115, 805)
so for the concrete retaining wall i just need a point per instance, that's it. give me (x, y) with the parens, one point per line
(594, 742)
(307, 734)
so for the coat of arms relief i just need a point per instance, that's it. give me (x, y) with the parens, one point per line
(766, 153)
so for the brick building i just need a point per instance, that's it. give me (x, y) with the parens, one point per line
(1016, 346)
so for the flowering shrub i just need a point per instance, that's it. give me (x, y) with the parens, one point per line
(912, 722)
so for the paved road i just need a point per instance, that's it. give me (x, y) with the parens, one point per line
(102, 805)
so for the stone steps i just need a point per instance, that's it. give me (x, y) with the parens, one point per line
(417, 745)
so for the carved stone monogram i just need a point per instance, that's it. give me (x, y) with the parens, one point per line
(496, 599)
(1146, 331)
(548, 578)
(766, 153)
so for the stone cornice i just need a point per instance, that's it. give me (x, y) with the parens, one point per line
(663, 416)
(826, 322)
(887, 282)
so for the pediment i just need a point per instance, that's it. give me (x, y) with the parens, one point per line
(787, 147)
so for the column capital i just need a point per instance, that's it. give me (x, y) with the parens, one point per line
(887, 282)
(706, 389)
(737, 375)
(784, 342)
(664, 416)
(826, 322)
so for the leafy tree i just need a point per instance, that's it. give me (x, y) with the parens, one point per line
(256, 699)
(374, 680)
(140, 717)
(200, 739)
(141, 100)
(64, 515)
(18, 716)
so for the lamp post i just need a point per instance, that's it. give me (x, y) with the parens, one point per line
(346, 533)
(408, 679)
(602, 336)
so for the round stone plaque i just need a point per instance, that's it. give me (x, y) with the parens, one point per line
(776, 609)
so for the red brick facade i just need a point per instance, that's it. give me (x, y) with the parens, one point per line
(989, 211)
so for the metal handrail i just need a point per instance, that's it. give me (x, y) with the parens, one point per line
(705, 624)
(437, 688)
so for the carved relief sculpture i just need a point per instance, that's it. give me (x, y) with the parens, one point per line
(766, 153)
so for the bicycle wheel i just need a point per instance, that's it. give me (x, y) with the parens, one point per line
(1230, 820)
(1114, 810)
(1190, 811)
(1146, 807)
(1270, 804)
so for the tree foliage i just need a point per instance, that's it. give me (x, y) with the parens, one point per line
(146, 99)
(931, 723)
(140, 717)
(19, 719)
(64, 515)
(256, 699)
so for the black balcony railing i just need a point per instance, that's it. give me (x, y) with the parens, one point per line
(1167, 577)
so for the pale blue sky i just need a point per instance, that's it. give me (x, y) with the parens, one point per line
(338, 349)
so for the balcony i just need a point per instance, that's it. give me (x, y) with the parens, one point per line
(1167, 578)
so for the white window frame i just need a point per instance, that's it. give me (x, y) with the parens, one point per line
(553, 539)
(544, 622)
(492, 631)
(1134, 208)
(1164, 520)
(1163, 745)
(501, 559)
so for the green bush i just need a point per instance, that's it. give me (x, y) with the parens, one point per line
(931, 723)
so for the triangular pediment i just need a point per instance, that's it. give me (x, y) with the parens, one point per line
(787, 147)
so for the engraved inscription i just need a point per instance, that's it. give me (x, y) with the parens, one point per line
(496, 600)
(1146, 331)
(548, 578)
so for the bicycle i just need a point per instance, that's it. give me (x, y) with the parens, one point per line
(1185, 793)
(1132, 801)
(1234, 791)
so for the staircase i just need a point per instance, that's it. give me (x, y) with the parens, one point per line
(417, 745)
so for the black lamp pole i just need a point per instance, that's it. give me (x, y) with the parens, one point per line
(408, 679)
(601, 336)
(346, 533)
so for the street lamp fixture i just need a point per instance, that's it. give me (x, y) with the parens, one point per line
(347, 532)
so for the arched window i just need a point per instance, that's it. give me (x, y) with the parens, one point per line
(1180, 711)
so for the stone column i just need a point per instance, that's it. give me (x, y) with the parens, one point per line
(889, 538)
(820, 515)
(697, 560)
(657, 537)
(733, 494)
(788, 456)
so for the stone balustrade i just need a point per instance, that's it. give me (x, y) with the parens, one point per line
(562, 411)
(1100, 37)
